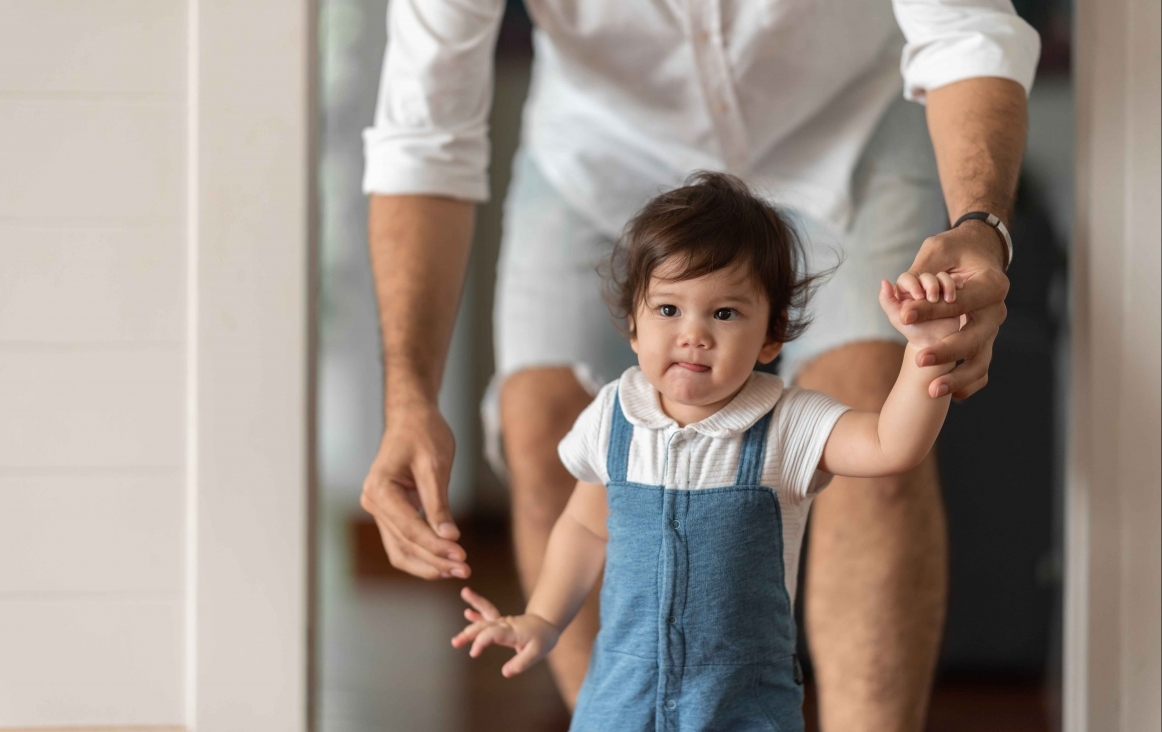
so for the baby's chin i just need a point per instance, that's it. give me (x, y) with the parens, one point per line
(690, 389)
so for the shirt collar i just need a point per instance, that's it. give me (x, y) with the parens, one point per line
(639, 400)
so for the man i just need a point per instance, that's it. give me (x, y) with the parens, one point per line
(799, 97)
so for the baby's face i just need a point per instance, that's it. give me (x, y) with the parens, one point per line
(697, 340)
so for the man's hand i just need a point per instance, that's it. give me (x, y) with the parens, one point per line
(419, 252)
(921, 333)
(411, 473)
(974, 253)
(978, 133)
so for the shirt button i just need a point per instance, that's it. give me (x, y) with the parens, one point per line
(671, 704)
(675, 523)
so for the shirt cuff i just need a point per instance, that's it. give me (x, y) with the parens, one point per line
(1008, 51)
(391, 168)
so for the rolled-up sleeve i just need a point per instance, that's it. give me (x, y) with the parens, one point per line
(952, 40)
(431, 120)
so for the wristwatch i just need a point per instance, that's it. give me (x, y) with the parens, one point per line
(997, 224)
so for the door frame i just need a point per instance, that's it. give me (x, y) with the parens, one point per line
(250, 363)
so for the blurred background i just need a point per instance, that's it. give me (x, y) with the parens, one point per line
(384, 661)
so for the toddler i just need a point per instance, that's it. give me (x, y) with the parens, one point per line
(695, 473)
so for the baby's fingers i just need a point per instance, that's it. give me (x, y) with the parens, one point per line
(908, 283)
(931, 287)
(499, 634)
(948, 286)
(472, 615)
(888, 300)
(469, 633)
(482, 605)
(527, 656)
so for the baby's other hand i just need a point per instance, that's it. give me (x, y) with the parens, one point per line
(531, 635)
(929, 287)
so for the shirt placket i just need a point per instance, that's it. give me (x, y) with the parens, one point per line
(671, 640)
(712, 63)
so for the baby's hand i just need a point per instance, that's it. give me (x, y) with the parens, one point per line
(930, 287)
(531, 635)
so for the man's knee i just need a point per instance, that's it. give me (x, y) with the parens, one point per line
(537, 409)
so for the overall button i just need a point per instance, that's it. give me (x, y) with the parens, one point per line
(671, 620)
(675, 523)
(671, 704)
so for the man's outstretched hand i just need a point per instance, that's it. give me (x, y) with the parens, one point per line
(411, 473)
(973, 252)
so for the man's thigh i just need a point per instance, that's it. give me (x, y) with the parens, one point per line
(876, 568)
(553, 337)
(896, 204)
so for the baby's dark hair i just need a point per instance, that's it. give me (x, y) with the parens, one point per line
(713, 222)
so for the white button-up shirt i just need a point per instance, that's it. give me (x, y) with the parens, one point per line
(629, 96)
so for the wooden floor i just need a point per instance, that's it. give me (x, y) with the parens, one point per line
(490, 703)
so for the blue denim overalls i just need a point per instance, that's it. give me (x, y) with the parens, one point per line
(696, 624)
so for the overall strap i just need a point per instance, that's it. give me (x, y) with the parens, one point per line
(620, 435)
(754, 444)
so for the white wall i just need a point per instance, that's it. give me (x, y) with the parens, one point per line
(92, 342)
(1113, 640)
(155, 168)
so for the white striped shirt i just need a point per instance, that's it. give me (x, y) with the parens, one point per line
(711, 448)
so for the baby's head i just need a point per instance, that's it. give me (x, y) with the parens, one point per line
(707, 280)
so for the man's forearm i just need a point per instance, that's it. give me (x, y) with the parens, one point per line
(419, 255)
(978, 131)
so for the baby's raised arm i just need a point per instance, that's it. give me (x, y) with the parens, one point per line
(573, 561)
(896, 439)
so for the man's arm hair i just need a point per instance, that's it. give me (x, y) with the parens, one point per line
(978, 131)
(419, 255)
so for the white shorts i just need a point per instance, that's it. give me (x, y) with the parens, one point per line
(548, 308)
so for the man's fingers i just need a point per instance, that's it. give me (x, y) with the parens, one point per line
(432, 485)
(414, 559)
(972, 388)
(393, 508)
(966, 375)
(956, 347)
(478, 601)
(979, 330)
(524, 658)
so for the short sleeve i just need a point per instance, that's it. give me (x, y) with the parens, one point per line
(582, 451)
(803, 422)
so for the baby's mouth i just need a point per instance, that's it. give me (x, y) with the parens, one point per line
(695, 367)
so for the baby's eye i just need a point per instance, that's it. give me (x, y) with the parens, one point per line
(668, 311)
(725, 314)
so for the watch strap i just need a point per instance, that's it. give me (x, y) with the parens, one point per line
(997, 224)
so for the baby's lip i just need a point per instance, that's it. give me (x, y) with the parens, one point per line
(695, 367)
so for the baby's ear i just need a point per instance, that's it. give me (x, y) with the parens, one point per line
(632, 327)
(769, 350)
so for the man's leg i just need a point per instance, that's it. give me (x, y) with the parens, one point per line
(537, 408)
(876, 569)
